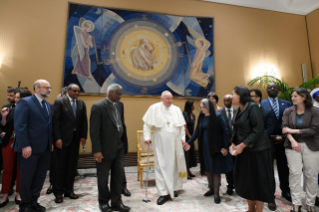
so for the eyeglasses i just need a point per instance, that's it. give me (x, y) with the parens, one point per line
(47, 88)
(76, 91)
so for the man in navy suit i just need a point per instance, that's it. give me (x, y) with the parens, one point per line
(33, 143)
(270, 124)
(278, 106)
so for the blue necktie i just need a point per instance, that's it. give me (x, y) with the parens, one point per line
(73, 106)
(275, 107)
(44, 107)
(229, 118)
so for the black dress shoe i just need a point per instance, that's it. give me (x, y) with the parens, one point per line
(58, 199)
(175, 194)
(272, 206)
(38, 207)
(217, 200)
(71, 195)
(17, 201)
(286, 195)
(11, 192)
(50, 190)
(4, 203)
(191, 175)
(105, 208)
(162, 199)
(126, 192)
(229, 191)
(210, 192)
(120, 207)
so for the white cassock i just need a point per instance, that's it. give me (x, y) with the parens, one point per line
(169, 131)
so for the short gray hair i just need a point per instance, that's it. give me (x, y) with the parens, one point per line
(72, 85)
(205, 103)
(113, 87)
(165, 92)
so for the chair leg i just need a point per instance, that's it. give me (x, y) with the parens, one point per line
(141, 173)
(138, 173)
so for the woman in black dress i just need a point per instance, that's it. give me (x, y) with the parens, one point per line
(190, 155)
(212, 134)
(253, 173)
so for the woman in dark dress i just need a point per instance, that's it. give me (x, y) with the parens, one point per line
(253, 173)
(190, 155)
(212, 134)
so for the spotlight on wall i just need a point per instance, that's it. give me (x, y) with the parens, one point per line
(266, 69)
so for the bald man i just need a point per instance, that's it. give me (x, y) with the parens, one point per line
(33, 143)
(169, 137)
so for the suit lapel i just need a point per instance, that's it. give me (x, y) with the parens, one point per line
(306, 117)
(35, 100)
(68, 104)
(109, 109)
(293, 117)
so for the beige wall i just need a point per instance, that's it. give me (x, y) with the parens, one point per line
(32, 43)
(313, 35)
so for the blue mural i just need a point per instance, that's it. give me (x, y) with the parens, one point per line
(146, 53)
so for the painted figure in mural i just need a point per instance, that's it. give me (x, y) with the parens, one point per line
(143, 56)
(84, 41)
(202, 52)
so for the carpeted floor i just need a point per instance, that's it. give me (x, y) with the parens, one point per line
(190, 199)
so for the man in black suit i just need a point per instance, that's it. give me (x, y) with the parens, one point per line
(270, 124)
(33, 144)
(229, 113)
(69, 129)
(109, 144)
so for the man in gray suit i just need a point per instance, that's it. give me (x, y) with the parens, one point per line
(109, 144)
(229, 113)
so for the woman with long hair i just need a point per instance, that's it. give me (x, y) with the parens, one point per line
(190, 155)
(301, 125)
(212, 134)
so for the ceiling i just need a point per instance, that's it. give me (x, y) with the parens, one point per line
(301, 7)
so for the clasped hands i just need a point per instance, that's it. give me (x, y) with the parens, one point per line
(294, 144)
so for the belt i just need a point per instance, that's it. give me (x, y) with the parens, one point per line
(300, 140)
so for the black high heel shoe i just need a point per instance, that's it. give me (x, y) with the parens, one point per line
(310, 209)
(217, 200)
(4, 203)
(17, 201)
(293, 208)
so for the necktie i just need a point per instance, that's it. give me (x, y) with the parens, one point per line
(73, 106)
(116, 116)
(275, 107)
(229, 117)
(44, 107)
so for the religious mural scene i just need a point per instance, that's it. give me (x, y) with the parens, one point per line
(144, 52)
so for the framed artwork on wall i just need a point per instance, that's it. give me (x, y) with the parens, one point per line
(146, 53)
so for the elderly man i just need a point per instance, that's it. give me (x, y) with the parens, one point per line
(33, 143)
(169, 135)
(109, 144)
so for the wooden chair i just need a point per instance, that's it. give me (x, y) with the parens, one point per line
(142, 156)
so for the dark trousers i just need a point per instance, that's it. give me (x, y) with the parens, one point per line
(33, 171)
(282, 167)
(64, 164)
(230, 176)
(124, 178)
(116, 166)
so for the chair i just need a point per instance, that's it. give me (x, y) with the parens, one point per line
(142, 155)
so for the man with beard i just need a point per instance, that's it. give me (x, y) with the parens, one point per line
(33, 143)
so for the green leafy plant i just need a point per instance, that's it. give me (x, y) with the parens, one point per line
(285, 89)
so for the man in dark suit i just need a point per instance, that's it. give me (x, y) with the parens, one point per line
(69, 129)
(109, 144)
(270, 124)
(228, 112)
(278, 106)
(33, 143)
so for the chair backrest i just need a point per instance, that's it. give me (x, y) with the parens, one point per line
(141, 143)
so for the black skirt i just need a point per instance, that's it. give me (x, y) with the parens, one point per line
(253, 176)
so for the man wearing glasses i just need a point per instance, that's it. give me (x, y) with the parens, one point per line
(33, 143)
(69, 129)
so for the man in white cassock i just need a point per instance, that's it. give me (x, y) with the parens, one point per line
(168, 141)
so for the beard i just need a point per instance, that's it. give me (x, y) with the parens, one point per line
(45, 95)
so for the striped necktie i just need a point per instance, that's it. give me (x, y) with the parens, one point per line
(275, 107)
